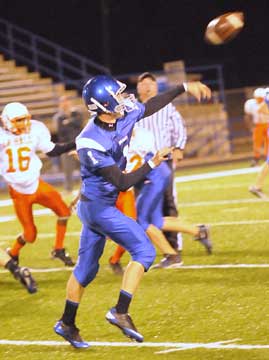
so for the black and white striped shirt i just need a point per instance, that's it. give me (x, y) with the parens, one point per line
(167, 126)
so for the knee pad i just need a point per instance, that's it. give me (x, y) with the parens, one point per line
(85, 275)
(147, 256)
(29, 234)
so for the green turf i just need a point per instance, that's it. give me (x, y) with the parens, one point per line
(179, 305)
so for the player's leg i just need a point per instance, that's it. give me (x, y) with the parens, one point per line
(200, 232)
(23, 274)
(49, 197)
(90, 250)
(150, 217)
(170, 209)
(257, 143)
(127, 233)
(265, 140)
(23, 207)
(256, 189)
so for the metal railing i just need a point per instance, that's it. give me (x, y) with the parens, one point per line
(46, 57)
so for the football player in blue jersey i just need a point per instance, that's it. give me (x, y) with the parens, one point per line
(102, 147)
(149, 203)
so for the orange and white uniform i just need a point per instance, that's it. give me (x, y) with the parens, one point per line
(259, 112)
(20, 167)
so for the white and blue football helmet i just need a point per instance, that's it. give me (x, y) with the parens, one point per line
(104, 94)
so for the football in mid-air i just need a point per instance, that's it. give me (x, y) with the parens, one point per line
(224, 28)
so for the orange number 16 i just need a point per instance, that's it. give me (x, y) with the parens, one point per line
(23, 159)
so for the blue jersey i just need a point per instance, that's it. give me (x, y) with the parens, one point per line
(150, 199)
(98, 148)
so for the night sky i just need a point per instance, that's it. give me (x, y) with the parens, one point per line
(143, 34)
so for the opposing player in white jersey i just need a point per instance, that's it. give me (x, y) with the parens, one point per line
(20, 139)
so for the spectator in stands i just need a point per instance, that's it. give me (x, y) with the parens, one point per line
(257, 119)
(69, 122)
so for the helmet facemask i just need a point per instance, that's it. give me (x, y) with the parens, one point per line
(16, 118)
(121, 102)
(20, 125)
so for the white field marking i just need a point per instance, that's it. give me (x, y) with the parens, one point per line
(39, 236)
(46, 270)
(217, 174)
(43, 212)
(6, 202)
(206, 186)
(242, 222)
(39, 212)
(77, 233)
(223, 345)
(222, 202)
(183, 267)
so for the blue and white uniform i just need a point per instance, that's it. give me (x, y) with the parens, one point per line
(149, 204)
(99, 148)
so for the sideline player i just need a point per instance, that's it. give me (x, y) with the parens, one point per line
(22, 274)
(20, 139)
(102, 148)
(257, 119)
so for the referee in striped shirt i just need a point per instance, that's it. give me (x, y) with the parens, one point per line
(169, 130)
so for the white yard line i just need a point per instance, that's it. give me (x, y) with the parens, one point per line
(217, 174)
(182, 267)
(222, 202)
(39, 236)
(174, 346)
(77, 233)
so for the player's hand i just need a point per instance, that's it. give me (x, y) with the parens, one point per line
(73, 153)
(199, 90)
(162, 155)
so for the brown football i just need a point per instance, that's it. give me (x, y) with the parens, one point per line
(224, 28)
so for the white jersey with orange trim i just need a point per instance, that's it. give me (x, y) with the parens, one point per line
(142, 143)
(20, 165)
(257, 111)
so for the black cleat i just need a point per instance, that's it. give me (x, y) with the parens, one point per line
(70, 334)
(63, 256)
(125, 323)
(116, 268)
(204, 238)
(24, 276)
(14, 258)
(169, 262)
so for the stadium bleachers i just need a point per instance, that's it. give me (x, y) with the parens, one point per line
(39, 94)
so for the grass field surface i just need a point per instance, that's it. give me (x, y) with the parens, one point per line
(215, 310)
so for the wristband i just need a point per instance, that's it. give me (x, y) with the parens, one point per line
(185, 85)
(151, 164)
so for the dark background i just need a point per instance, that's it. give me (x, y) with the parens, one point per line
(135, 36)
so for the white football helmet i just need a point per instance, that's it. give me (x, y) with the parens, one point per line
(16, 118)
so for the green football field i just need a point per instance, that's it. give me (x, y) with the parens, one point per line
(213, 307)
